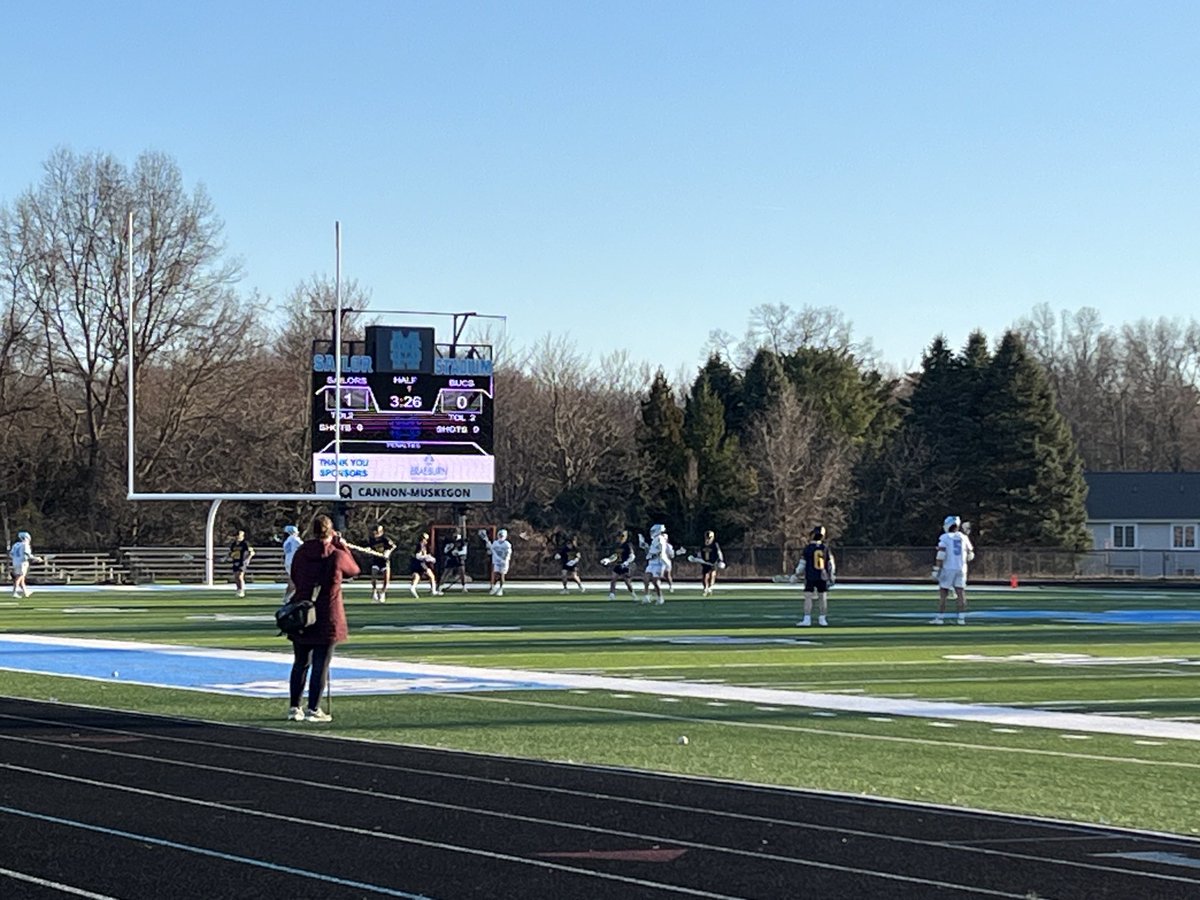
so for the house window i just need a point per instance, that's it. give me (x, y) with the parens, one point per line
(1124, 536)
(1183, 537)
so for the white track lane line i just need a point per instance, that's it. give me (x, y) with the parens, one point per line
(475, 810)
(486, 853)
(57, 886)
(216, 854)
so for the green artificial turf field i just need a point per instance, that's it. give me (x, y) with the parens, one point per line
(1129, 653)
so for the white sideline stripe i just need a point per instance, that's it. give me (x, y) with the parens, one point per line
(865, 705)
(54, 885)
(835, 732)
(216, 854)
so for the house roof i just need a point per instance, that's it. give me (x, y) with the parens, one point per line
(1143, 496)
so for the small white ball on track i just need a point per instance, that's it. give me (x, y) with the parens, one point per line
(682, 739)
(116, 674)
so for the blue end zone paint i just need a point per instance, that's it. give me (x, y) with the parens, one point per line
(224, 672)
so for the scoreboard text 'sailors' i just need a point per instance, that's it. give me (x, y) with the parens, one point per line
(405, 412)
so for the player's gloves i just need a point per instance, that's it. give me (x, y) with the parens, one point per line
(934, 573)
(792, 579)
(607, 561)
(695, 559)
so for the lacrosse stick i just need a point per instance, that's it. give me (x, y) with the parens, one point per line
(380, 553)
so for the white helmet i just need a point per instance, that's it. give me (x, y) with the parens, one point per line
(950, 521)
(502, 534)
(290, 529)
(24, 536)
(656, 530)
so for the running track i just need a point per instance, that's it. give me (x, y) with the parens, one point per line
(96, 803)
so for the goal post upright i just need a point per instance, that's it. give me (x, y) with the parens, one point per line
(213, 498)
(334, 492)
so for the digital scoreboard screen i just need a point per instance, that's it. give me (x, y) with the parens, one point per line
(395, 435)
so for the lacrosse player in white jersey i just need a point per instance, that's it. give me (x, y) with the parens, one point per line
(670, 554)
(501, 551)
(291, 544)
(22, 555)
(954, 552)
(657, 563)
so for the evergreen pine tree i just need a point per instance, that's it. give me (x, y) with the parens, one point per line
(762, 385)
(726, 385)
(1033, 474)
(723, 483)
(663, 456)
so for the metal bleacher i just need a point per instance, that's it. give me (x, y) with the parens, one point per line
(71, 567)
(185, 565)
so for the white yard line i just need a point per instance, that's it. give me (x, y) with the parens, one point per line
(860, 704)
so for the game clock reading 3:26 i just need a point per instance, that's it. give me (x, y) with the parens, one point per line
(417, 413)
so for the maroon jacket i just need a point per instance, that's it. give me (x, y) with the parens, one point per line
(320, 563)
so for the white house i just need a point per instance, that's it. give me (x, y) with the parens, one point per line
(1145, 522)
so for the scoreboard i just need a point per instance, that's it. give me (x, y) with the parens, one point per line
(414, 431)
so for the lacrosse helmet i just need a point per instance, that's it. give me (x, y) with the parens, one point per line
(502, 534)
(24, 536)
(290, 529)
(818, 533)
(951, 522)
(656, 530)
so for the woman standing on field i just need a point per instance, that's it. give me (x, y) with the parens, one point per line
(318, 568)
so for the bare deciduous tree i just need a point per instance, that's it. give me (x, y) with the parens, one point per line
(802, 470)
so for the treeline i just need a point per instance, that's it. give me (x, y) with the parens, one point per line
(793, 424)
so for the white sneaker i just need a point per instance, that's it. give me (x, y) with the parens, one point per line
(295, 714)
(413, 590)
(382, 598)
(500, 593)
(438, 593)
(962, 620)
(17, 595)
(611, 595)
(582, 589)
(239, 593)
(563, 591)
(805, 622)
(492, 590)
(660, 601)
(317, 715)
(375, 596)
(670, 589)
(937, 620)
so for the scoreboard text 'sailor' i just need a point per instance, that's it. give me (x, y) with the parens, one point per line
(411, 423)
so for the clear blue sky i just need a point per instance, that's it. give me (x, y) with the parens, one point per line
(635, 174)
